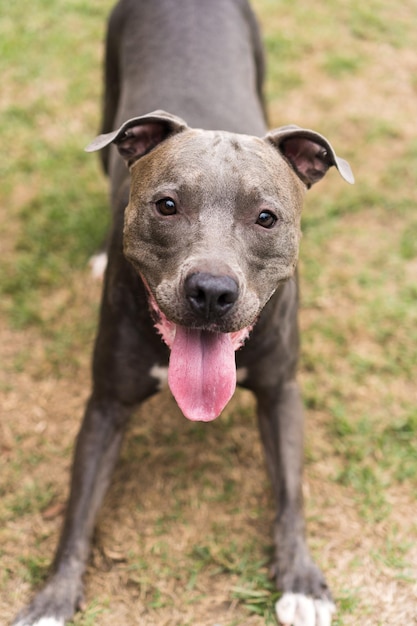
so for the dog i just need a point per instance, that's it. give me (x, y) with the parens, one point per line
(201, 285)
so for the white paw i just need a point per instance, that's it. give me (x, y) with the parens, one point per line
(161, 374)
(43, 621)
(98, 264)
(295, 609)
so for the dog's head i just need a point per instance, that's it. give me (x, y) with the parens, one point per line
(213, 224)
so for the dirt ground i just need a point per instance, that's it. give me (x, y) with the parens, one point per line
(168, 499)
(188, 520)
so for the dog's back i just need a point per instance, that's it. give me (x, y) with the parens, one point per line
(180, 56)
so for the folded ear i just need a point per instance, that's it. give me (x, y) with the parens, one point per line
(139, 135)
(308, 153)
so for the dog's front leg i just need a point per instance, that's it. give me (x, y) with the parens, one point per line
(96, 452)
(95, 455)
(306, 599)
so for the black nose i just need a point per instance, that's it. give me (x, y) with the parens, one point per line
(211, 296)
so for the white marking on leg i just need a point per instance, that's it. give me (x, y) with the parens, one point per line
(98, 264)
(305, 614)
(161, 374)
(324, 612)
(44, 621)
(285, 608)
(296, 609)
(241, 374)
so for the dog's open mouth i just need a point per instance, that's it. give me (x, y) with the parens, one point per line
(202, 371)
(202, 368)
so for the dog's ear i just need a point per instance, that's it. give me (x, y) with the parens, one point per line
(308, 153)
(139, 135)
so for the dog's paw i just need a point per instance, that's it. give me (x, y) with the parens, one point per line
(43, 621)
(296, 609)
(98, 264)
(54, 605)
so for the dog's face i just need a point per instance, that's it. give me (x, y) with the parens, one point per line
(213, 204)
(213, 228)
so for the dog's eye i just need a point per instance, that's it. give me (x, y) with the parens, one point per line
(266, 219)
(166, 206)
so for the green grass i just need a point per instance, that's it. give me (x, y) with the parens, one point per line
(338, 65)
(65, 216)
(254, 588)
(36, 569)
(91, 615)
(31, 498)
(60, 228)
(345, 69)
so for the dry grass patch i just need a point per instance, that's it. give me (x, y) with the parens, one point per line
(185, 534)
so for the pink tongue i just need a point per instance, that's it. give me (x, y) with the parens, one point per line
(202, 372)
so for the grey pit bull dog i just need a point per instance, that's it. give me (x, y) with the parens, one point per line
(201, 275)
